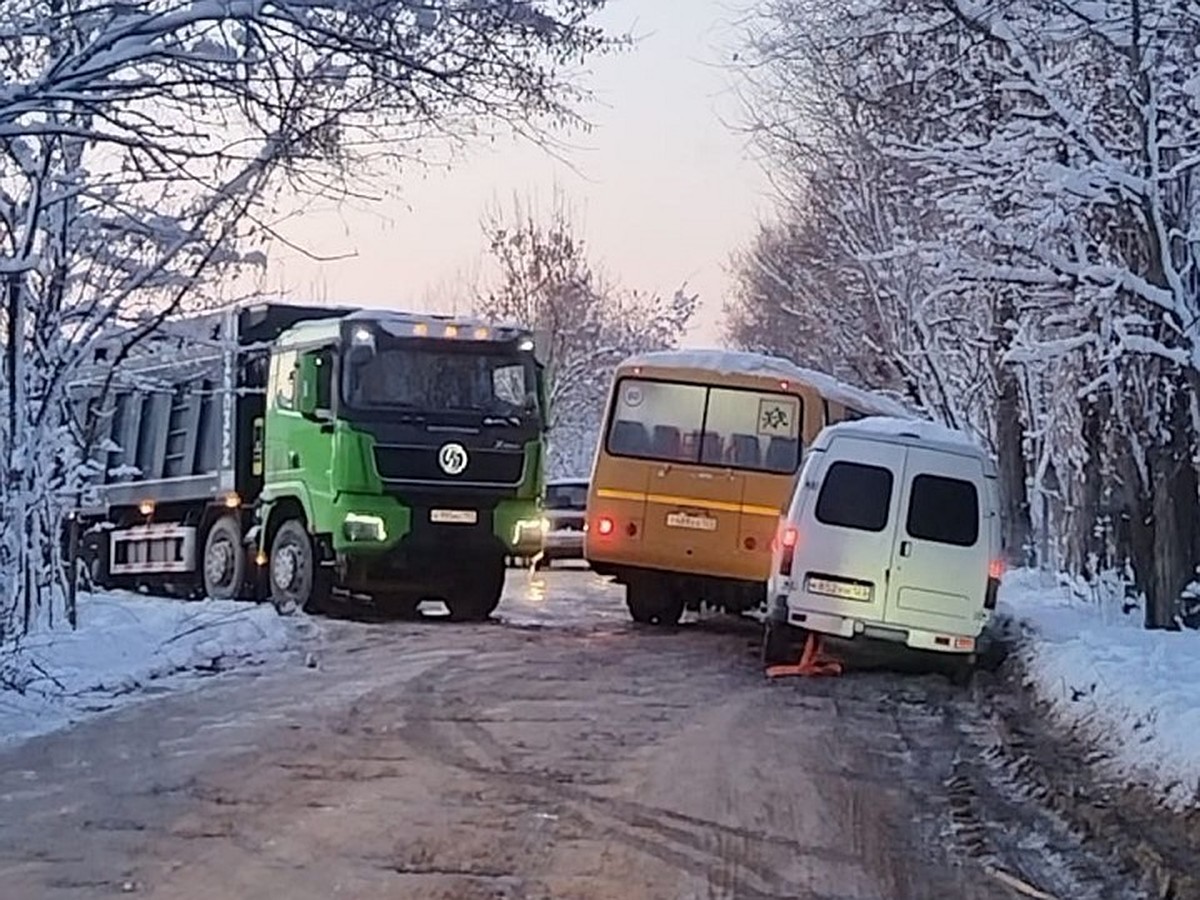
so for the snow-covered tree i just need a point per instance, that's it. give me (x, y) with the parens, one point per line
(142, 145)
(1036, 161)
(587, 321)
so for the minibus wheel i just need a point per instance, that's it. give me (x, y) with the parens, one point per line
(779, 643)
(962, 670)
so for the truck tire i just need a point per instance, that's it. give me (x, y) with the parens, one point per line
(652, 603)
(293, 572)
(224, 564)
(479, 594)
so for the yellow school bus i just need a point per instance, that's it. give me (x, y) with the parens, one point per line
(697, 458)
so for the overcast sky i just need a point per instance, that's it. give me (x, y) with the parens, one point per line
(664, 191)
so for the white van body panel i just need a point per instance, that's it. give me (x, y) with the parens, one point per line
(877, 578)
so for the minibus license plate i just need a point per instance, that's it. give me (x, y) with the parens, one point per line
(454, 516)
(695, 523)
(842, 589)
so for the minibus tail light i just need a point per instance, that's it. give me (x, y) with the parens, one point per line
(995, 573)
(604, 526)
(787, 542)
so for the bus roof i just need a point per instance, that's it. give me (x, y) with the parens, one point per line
(732, 362)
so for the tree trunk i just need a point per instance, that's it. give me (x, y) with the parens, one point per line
(1010, 440)
(1014, 490)
(1088, 547)
(1174, 492)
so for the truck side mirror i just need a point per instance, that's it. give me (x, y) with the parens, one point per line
(542, 339)
(308, 373)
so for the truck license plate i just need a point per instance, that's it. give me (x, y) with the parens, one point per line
(454, 516)
(687, 520)
(842, 589)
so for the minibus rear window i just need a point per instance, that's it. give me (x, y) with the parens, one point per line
(943, 510)
(855, 496)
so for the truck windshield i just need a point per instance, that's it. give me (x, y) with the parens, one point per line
(431, 380)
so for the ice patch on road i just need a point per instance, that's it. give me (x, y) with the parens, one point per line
(1131, 691)
(125, 645)
(569, 595)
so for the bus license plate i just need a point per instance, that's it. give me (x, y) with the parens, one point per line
(454, 516)
(695, 523)
(840, 589)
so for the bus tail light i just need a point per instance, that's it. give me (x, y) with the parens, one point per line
(605, 526)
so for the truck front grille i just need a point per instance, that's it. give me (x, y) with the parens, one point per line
(420, 464)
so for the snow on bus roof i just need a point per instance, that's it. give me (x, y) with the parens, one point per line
(735, 362)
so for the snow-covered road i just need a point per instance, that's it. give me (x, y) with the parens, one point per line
(560, 752)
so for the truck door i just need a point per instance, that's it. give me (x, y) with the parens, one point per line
(846, 527)
(940, 563)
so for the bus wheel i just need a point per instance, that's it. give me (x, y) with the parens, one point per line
(293, 569)
(651, 603)
(477, 596)
(224, 559)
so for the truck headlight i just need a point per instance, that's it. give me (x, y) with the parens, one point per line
(531, 527)
(360, 527)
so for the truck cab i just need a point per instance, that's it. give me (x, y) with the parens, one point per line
(402, 458)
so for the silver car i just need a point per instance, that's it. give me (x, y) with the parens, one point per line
(565, 510)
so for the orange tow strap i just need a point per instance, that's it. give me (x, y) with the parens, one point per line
(812, 663)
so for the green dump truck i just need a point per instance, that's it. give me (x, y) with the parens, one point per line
(310, 454)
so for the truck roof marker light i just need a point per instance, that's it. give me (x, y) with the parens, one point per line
(232, 500)
(481, 333)
(363, 336)
(146, 507)
(420, 329)
(605, 525)
(783, 385)
(451, 331)
(526, 345)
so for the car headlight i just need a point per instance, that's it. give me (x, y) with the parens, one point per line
(362, 527)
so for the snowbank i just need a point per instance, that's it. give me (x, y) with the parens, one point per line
(1133, 692)
(124, 642)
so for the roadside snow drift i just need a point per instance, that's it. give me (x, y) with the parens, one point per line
(124, 643)
(1132, 692)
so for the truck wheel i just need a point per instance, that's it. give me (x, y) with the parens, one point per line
(293, 569)
(398, 605)
(224, 559)
(651, 603)
(779, 643)
(478, 596)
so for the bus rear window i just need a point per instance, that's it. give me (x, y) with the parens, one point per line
(722, 427)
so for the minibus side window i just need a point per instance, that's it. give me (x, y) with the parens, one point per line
(854, 495)
(943, 510)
